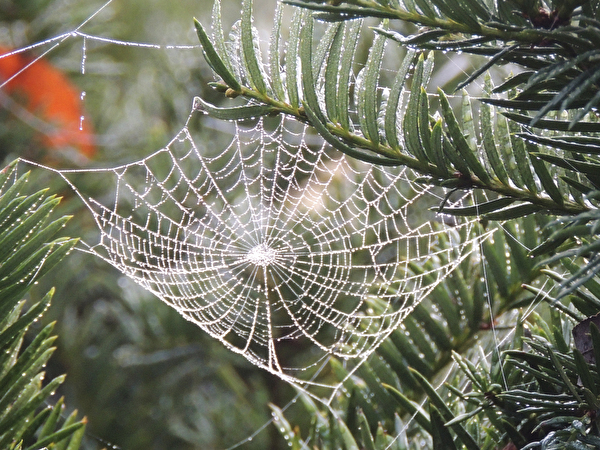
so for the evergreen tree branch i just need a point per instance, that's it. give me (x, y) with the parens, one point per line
(533, 33)
(436, 174)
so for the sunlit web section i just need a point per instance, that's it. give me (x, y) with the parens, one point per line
(278, 246)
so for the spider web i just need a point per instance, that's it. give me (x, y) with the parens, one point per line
(278, 243)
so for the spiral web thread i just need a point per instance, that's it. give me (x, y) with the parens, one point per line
(281, 248)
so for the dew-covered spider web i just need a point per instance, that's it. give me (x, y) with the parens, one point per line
(277, 243)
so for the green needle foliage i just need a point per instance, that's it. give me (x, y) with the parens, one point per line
(487, 360)
(28, 250)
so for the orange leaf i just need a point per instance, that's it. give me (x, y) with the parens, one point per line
(49, 94)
